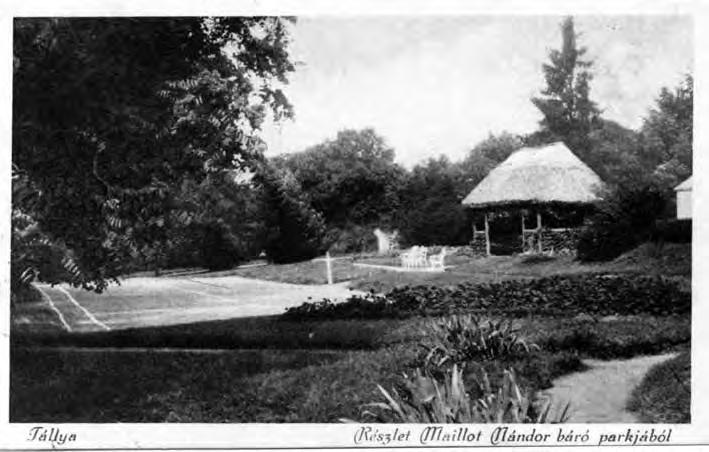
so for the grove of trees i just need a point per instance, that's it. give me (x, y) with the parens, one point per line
(136, 147)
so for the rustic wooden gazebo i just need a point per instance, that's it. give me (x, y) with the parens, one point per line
(534, 179)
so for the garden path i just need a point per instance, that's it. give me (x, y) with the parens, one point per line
(600, 394)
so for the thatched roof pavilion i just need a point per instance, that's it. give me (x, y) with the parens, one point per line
(531, 177)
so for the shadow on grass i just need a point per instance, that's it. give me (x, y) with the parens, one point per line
(253, 332)
(96, 386)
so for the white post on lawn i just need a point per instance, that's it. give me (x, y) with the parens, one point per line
(328, 265)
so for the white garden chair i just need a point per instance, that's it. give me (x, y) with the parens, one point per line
(420, 257)
(407, 258)
(437, 260)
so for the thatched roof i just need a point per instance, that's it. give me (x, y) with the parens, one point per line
(547, 174)
(685, 186)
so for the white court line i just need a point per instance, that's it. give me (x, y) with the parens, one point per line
(85, 311)
(51, 305)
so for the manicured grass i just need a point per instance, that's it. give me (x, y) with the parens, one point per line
(673, 260)
(664, 395)
(252, 332)
(263, 386)
(64, 386)
(623, 337)
(293, 385)
(309, 272)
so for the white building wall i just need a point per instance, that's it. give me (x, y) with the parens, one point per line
(684, 204)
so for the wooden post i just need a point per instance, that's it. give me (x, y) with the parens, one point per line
(539, 231)
(487, 236)
(522, 215)
(328, 265)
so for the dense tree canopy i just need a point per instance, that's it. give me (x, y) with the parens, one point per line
(131, 138)
(349, 179)
(294, 230)
(485, 155)
(667, 134)
(431, 209)
(111, 115)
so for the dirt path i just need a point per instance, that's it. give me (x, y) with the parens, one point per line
(600, 394)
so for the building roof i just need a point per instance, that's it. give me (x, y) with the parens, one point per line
(685, 186)
(547, 174)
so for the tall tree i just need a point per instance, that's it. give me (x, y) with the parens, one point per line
(569, 113)
(667, 134)
(296, 231)
(111, 115)
(351, 179)
(431, 209)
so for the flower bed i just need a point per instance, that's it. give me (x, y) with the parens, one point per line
(564, 295)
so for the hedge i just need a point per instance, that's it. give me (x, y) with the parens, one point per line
(673, 231)
(563, 295)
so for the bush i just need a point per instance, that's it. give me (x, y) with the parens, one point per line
(354, 239)
(664, 395)
(564, 295)
(463, 338)
(672, 231)
(432, 401)
(623, 221)
(623, 338)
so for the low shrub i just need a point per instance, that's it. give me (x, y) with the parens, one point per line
(622, 338)
(353, 239)
(622, 221)
(461, 338)
(561, 295)
(664, 395)
(429, 400)
(672, 231)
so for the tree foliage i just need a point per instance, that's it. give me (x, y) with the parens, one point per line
(565, 103)
(623, 220)
(432, 213)
(487, 154)
(569, 113)
(111, 115)
(295, 231)
(614, 152)
(667, 134)
(351, 179)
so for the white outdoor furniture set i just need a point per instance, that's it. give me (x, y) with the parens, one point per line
(417, 257)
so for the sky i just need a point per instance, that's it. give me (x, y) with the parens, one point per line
(434, 85)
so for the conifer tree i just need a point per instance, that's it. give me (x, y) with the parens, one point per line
(569, 113)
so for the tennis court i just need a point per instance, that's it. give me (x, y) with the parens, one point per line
(142, 302)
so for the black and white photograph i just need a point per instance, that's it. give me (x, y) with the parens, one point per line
(369, 219)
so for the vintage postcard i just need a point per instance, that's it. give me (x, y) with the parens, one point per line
(277, 225)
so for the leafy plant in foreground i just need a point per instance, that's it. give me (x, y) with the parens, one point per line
(461, 338)
(428, 400)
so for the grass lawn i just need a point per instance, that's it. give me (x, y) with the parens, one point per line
(268, 369)
(288, 378)
(664, 395)
(251, 332)
(672, 261)
(308, 272)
